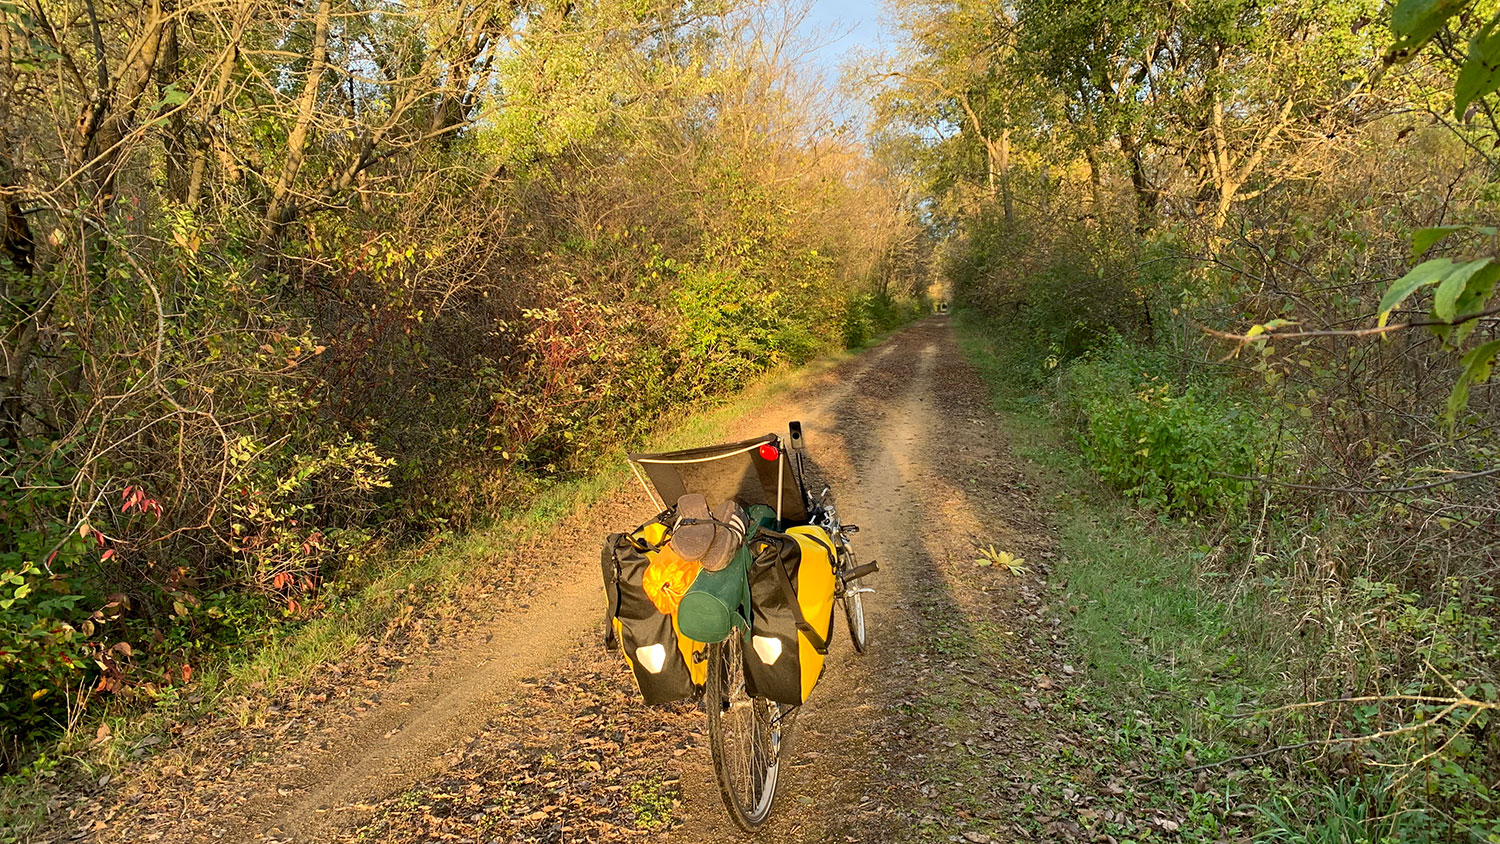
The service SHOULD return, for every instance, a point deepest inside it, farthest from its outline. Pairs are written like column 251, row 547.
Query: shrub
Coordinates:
column 44, row 655
column 868, row 315
column 1177, row 448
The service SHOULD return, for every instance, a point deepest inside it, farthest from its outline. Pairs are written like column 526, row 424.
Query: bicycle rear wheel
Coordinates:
column 744, row 734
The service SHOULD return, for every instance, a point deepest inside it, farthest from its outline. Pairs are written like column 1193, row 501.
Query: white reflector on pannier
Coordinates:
column 651, row 657
column 768, row 648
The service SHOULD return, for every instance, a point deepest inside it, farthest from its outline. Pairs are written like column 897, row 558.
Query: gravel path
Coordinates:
column 511, row 723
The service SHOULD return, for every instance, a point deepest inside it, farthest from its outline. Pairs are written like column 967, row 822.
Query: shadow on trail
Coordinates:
column 932, row 486
column 891, row 437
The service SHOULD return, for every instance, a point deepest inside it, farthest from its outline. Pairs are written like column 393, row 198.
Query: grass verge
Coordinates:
column 1163, row 652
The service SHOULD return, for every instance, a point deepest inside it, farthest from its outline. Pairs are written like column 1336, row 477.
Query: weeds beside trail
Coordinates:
column 1197, row 649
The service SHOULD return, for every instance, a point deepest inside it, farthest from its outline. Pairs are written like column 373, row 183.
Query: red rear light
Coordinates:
column 769, row 452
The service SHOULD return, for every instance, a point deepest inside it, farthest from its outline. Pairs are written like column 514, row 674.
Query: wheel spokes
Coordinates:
column 749, row 740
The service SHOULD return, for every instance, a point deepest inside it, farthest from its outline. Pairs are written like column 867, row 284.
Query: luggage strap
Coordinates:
column 611, row 569
column 642, row 545
column 819, row 643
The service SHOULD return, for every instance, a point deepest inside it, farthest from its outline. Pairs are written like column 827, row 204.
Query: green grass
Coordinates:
column 1162, row 650
column 1135, row 593
column 652, row 802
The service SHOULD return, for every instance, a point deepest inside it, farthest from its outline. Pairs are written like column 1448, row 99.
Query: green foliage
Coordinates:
column 1174, row 447
column 1411, row 635
column 1424, row 239
column 1480, row 75
column 1358, row 812
column 1168, row 661
column 653, row 804
column 1413, row 22
column 1195, row 649
column 1061, row 301
column 46, row 652
column 1154, row 185
column 1473, row 369
column 868, row 316
column 280, row 513
column 1463, row 291
column 43, row 658
column 734, row 323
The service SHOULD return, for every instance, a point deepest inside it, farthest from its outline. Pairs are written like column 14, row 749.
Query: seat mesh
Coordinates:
column 732, row 470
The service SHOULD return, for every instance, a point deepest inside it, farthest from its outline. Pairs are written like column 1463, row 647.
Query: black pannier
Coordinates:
column 661, row 659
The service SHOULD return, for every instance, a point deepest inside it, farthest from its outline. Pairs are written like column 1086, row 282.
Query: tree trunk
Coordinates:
column 1007, row 201
column 207, row 140
column 16, row 241
column 1232, row 178
column 31, row 307
column 282, row 209
column 1145, row 197
column 1096, row 183
column 178, row 159
column 106, row 146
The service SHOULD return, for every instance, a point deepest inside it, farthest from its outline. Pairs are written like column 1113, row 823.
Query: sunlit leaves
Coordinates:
column 1480, row 74
column 1422, row 275
column 1424, row 239
column 1415, row 21
column 1463, row 289
column 1014, row 565
column 1457, row 281
column 1258, row 330
column 1475, row 368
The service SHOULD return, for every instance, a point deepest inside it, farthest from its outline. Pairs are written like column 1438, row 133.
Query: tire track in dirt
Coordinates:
column 526, row 730
column 834, row 786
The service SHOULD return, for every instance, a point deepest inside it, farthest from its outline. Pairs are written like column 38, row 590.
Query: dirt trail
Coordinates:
column 525, row 729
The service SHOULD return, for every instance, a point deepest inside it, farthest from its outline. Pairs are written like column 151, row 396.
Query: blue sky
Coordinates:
column 845, row 24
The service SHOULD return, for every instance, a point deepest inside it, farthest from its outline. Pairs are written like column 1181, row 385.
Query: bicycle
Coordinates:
column 748, row 732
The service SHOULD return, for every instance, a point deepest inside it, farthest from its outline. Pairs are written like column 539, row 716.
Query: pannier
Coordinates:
column 791, row 600
column 667, row 665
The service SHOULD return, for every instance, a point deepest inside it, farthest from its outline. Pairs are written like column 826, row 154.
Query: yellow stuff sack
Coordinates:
column 668, row 577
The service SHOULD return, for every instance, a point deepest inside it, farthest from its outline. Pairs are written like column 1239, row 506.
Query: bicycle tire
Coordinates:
column 851, row 598
column 744, row 736
column 854, row 604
